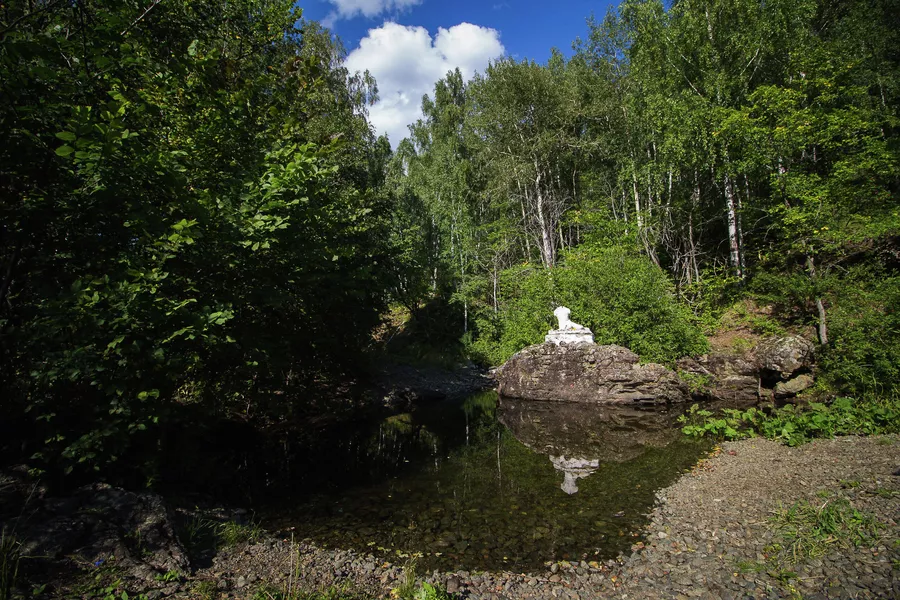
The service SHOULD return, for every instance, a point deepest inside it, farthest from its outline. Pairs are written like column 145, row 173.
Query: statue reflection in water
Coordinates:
column 578, row 438
column 573, row 470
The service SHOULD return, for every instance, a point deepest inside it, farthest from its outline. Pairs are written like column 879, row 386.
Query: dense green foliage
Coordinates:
column 743, row 148
column 797, row 425
column 622, row 297
column 187, row 196
column 190, row 190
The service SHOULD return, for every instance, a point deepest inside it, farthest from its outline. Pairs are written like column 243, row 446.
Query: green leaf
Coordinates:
column 64, row 150
column 66, row 136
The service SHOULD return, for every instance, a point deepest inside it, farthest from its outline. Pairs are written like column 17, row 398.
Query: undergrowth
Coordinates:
column 797, row 425
column 10, row 555
column 810, row 531
column 425, row 591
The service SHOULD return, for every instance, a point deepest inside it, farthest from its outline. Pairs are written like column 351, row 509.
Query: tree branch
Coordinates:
column 140, row 18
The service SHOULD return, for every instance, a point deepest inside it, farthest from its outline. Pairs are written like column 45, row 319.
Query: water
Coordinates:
column 485, row 484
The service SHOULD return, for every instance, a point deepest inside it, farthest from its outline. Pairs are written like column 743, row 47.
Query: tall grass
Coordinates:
column 10, row 555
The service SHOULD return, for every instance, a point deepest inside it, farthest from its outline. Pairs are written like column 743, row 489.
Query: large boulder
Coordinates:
column 779, row 358
column 590, row 374
column 99, row 524
column 722, row 376
column 777, row 367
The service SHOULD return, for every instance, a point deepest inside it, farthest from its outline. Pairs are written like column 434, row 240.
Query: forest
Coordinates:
column 198, row 222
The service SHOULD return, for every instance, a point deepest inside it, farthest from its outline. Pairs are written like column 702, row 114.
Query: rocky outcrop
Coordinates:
column 590, row 374
column 99, row 524
column 777, row 367
column 779, row 358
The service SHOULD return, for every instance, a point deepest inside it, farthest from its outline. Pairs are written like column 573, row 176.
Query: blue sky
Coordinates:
column 409, row 44
column 527, row 28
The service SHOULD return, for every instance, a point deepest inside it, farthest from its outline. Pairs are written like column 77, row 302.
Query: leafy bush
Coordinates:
column 863, row 318
column 795, row 426
column 864, row 354
column 176, row 232
column 623, row 297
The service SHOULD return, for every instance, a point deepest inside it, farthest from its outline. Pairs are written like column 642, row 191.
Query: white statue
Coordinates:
column 562, row 314
column 568, row 332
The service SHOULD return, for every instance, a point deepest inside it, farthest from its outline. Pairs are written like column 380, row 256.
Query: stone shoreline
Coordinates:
column 707, row 538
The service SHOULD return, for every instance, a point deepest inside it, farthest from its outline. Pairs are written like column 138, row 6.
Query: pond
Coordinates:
column 486, row 483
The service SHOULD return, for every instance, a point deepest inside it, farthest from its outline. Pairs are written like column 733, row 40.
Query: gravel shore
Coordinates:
column 710, row 536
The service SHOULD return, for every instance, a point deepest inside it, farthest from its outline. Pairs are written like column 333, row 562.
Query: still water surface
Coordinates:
column 487, row 483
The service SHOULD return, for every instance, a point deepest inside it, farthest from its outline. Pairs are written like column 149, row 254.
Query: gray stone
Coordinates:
column 588, row 374
column 784, row 356
column 111, row 523
column 792, row 387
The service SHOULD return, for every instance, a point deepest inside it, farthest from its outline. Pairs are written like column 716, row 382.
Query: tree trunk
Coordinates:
column 547, row 250
column 734, row 243
column 820, row 306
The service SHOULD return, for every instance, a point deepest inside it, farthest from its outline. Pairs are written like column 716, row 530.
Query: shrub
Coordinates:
column 864, row 355
column 795, row 426
column 623, row 297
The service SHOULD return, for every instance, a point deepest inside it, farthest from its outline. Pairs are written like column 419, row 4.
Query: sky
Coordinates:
column 408, row 45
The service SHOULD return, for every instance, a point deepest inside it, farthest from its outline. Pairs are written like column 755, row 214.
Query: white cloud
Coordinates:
column 346, row 9
column 407, row 62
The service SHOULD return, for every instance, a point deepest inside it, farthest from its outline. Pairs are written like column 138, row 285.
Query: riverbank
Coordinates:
column 712, row 535
column 756, row 519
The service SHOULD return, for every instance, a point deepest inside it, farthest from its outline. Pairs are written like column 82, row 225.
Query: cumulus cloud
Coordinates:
column 346, row 9
column 407, row 62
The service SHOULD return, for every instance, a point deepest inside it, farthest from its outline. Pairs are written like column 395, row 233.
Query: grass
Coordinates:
column 333, row 593
column 10, row 556
column 231, row 533
column 200, row 534
column 205, row 590
column 811, row 531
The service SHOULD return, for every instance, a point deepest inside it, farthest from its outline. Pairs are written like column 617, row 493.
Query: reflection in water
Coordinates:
column 578, row 437
column 476, row 484
column 573, row 469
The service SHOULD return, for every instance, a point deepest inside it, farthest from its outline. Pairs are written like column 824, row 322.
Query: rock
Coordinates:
column 452, row 585
column 589, row 374
column 135, row 529
column 744, row 378
column 787, row 389
column 722, row 376
column 781, row 357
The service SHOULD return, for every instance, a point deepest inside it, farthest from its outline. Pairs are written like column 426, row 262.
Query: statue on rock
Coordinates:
column 569, row 332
